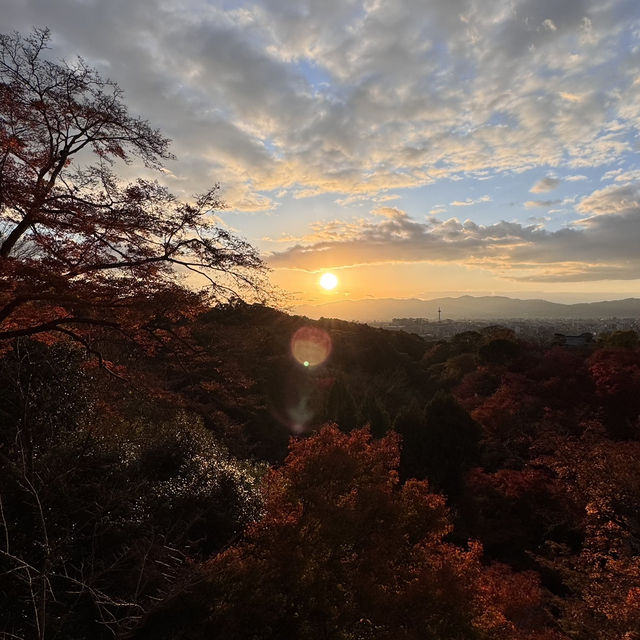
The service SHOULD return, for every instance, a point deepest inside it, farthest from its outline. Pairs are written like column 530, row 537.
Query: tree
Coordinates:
column 616, row 375
column 341, row 406
column 345, row 551
column 440, row 443
column 374, row 413
column 101, row 514
column 78, row 248
column 499, row 351
column 602, row 577
column 515, row 512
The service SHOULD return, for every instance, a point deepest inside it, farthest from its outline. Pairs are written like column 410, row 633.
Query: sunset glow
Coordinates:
column 328, row 281
column 469, row 148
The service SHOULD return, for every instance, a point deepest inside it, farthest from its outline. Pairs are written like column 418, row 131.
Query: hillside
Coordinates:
column 231, row 470
column 468, row 307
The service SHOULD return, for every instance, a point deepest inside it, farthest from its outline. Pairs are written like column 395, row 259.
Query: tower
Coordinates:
column 439, row 312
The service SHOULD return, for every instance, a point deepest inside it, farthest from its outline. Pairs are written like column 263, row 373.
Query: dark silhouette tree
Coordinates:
column 514, row 512
column 374, row 414
column 451, row 441
column 78, row 248
column 341, row 406
column 499, row 351
column 620, row 339
column 441, row 444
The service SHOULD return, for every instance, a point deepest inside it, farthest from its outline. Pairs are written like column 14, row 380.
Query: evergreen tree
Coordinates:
column 341, row 407
column 440, row 445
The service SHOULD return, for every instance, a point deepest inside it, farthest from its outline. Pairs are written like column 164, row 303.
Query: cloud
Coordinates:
column 621, row 175
column 612, row 174
column 529, row 204
column 545, row 185
column 579, row 273
column 571, row 97
column 361, row 199
column 469, row 202
column 611, row 200
column 389, row 212
column 351, row 97
column 599, row 246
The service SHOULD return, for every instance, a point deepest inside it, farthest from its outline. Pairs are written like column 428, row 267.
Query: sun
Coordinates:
column 328, row 281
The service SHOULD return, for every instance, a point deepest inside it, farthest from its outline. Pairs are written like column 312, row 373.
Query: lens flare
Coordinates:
column 310, row 346
column 328, row 281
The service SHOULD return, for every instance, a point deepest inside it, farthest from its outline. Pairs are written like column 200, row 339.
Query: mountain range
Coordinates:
column 467, row 307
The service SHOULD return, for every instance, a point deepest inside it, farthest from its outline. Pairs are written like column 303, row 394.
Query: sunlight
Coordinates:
column 328, row 281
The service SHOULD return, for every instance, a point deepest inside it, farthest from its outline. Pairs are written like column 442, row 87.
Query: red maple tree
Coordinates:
column 79, row 248
column 344, row 550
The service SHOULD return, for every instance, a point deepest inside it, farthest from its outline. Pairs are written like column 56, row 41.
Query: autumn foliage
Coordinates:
column 344, row 550
column 526, row 528
column 81, row 249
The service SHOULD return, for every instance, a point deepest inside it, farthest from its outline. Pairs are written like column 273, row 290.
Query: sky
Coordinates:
column 414, row 148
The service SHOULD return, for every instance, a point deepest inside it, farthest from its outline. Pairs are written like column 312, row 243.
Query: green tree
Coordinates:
column 440, row 445
column 374, row 414
column 341, row 407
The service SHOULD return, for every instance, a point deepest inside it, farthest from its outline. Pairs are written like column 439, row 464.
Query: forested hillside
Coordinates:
column 475, row 488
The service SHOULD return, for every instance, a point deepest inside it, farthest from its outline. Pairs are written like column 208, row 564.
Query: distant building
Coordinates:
column 582, row 340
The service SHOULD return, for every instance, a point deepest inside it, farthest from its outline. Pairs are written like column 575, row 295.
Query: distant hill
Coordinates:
column 467, row 307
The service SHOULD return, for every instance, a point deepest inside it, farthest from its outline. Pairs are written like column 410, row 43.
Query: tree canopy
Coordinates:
column 80, row 248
